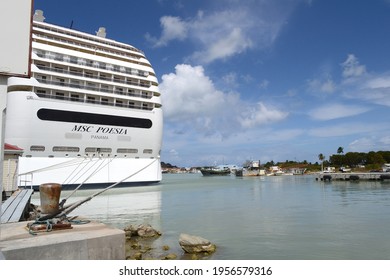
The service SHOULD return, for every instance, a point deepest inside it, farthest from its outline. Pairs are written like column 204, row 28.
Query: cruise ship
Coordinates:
column 90, row 114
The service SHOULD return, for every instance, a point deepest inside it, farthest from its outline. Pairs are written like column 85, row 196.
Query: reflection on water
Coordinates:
column 279, row 217
column 117, row 207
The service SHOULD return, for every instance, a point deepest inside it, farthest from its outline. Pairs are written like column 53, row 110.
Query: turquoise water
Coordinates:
column 283, row 217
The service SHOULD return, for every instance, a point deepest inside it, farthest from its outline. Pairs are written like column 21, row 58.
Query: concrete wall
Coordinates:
column 92, row 241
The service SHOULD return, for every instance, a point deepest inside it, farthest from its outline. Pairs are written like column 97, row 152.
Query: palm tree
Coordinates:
column 340, row 150
column 321, row 157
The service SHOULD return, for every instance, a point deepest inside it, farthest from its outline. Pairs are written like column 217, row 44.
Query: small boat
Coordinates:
column 252, row 169
column 215, row 171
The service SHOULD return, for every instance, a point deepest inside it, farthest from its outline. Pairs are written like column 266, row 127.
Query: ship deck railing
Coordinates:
column 81, row 100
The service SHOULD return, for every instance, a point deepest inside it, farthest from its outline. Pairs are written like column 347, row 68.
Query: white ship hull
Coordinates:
column 93, row 170
column 88, row 173
column 90, row 114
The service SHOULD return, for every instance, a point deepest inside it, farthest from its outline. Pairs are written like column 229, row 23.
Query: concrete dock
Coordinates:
column 353, row 176
column 90, row 241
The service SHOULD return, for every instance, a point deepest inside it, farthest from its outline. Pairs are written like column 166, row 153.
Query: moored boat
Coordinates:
column 215, row 171
column 250, row 170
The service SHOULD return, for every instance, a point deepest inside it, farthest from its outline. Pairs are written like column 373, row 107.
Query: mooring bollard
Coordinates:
column 50, row 196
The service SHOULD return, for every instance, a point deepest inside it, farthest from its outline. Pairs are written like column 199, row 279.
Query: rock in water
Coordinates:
column 147, row 231
column 142, row 231
column 194, row 244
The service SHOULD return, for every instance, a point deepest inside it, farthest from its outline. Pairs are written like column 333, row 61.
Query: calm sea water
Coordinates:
column 284, row 217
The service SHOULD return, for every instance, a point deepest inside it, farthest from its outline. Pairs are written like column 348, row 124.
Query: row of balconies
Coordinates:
column 98, row 87
column 93, row 75
column 90, row 63
column 93, row 47
column 93, row 99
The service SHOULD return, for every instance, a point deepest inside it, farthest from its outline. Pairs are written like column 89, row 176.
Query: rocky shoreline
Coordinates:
column 141, row 245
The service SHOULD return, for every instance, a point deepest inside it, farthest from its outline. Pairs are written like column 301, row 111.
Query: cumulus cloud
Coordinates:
column 191, row 100
column 189, row 93
column 336, row 111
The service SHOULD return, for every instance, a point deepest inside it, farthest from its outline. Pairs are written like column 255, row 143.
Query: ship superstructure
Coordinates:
column 90, row 113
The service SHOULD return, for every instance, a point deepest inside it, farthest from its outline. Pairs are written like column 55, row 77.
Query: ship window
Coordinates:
column 41, row 92
column 73, row 59
column 75, row 71
column 104, row 88
column 60, row 81
column 41, row 66
column 66, row 149
column 119, row 90
column 148, row 151
column 90, row 150
column 74, row 97
column 91, row 86
column 90, row 99
column 119, row 103
column 104, row 101
column 58, row 69
column 89, row 74
column 127, row 151
column 60, row 95
column 75, row 83
column 36, row 148
column 97, row 150
column 59, row 57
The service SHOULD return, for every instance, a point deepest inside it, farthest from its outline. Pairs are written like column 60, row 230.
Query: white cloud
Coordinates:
column 352, row 67
column 173, row 28
column 264, row 84
column 367, row 144
column 260, row 115
column 231, row 29
column 336, row 111
column 192, row 102
column 370, row 88
column 189, row 93
column 323, row 86
column 234, row 42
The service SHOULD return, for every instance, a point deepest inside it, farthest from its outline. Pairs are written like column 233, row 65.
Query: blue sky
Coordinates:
column 250, row 79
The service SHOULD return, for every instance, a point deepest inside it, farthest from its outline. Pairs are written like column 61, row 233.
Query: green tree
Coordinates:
column 321, row 157
column 340, row 150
